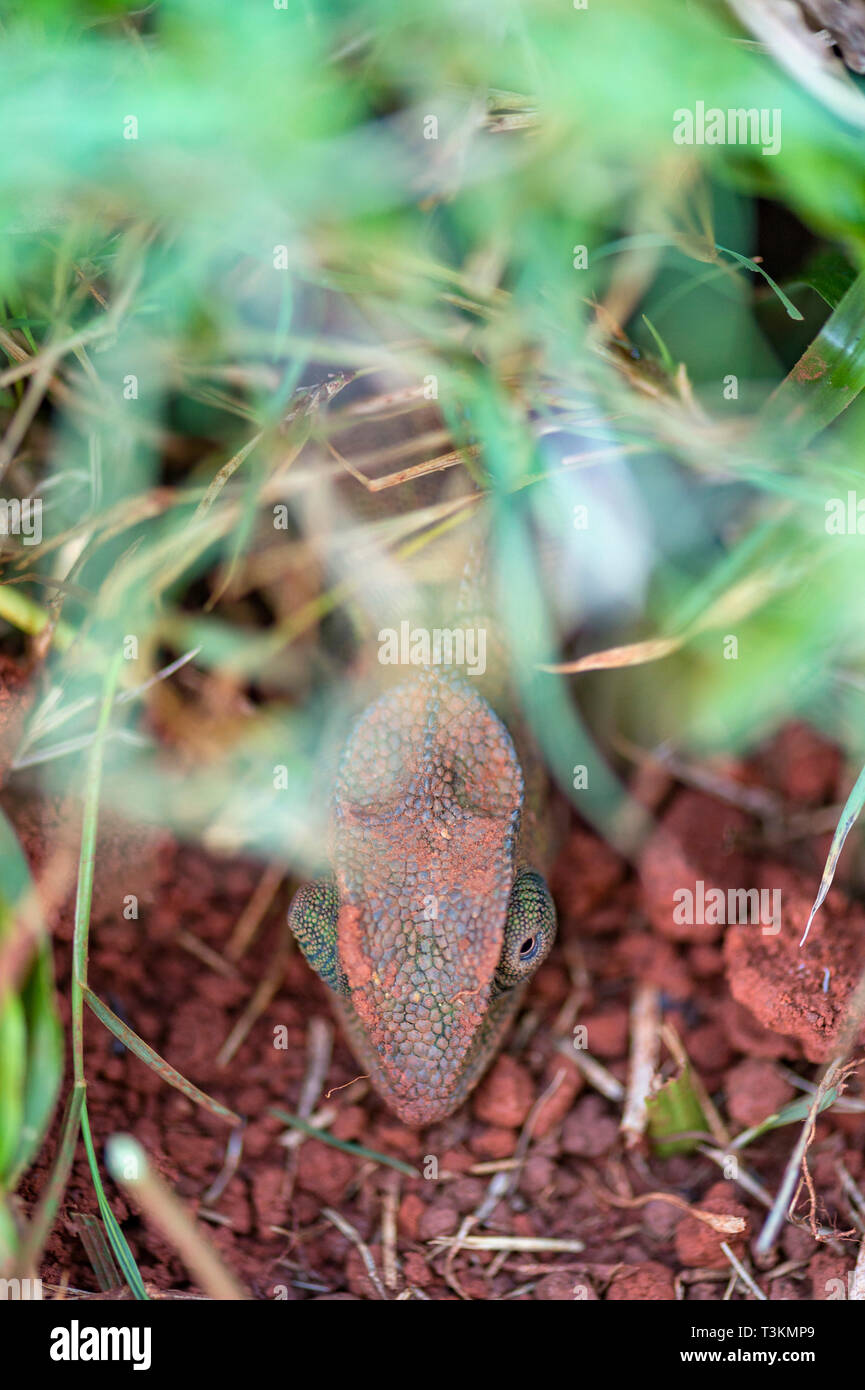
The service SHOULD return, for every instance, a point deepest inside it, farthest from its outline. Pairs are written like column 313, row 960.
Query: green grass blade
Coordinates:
column 92, row 1237
column 83, row 902
column 345, row 1145
column 666, row 355
column 153, row 1060
column 758, row 270
column 24, row 613
column 828, row 376
column 117, row 1239
column 852, row 807
column 789, row 1115
column 828, row 274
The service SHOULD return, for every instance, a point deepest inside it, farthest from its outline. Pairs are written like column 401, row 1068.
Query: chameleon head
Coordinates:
column 429, row 926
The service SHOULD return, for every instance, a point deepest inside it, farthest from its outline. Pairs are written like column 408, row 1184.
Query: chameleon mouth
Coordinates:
column 420, row 1113
column 423, row 1083
column 419, row 1107
column 419, row 1064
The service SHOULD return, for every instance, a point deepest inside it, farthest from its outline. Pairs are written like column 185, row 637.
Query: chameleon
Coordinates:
column 434, row 917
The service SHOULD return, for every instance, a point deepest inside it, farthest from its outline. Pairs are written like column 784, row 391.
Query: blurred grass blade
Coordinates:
column 828, row 376
column 122, row 1253
column 37, row 1232
column 758, row 270
column 345, row 1145
column 99, row 1254
column 128, row 1165
column 79, row 966
column 633, row 654
column 852, row 807
column 828, row 274
column 153, row 1060
column 25, row 614
column 86, row 865
column 737, row 603
column 666, row 355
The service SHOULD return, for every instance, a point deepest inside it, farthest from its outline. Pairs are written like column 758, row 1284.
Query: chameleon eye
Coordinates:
column 530, row 930
column 313, row 918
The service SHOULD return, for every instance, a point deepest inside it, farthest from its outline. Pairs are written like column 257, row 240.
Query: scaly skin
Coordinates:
column 433, row 922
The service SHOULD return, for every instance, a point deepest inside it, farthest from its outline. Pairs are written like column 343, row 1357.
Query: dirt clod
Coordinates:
column 755, row 1089
column 802, row 991
column 505, row 1096
column 697, row 1244
column 589, row 1130
column 649, row 1282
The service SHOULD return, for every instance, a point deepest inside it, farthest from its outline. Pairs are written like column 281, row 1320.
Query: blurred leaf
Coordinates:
column 31, row 1038
column 13, row 1065
column 8, row 1236
column 15, row 877
column 675, row 1109
column 44, row 1061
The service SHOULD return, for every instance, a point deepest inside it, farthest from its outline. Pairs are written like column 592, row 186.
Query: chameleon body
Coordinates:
column 434, row 920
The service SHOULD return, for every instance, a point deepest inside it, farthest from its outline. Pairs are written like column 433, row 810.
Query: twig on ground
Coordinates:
column 645, row 1053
